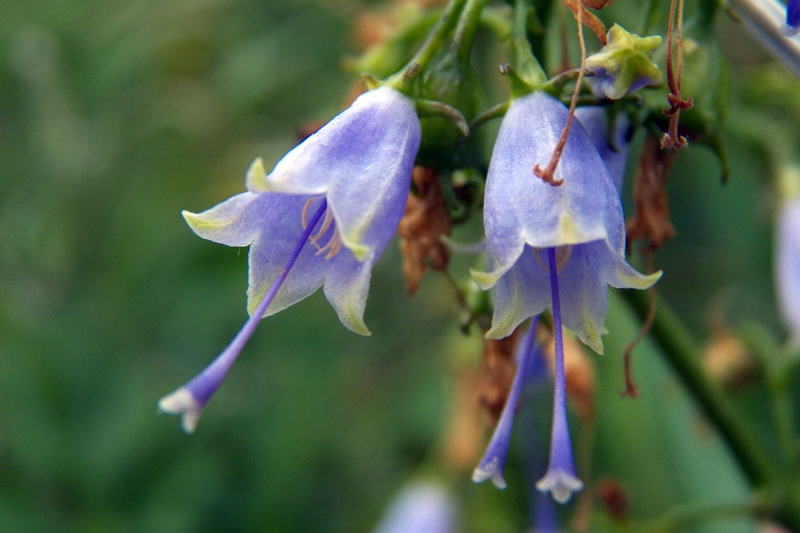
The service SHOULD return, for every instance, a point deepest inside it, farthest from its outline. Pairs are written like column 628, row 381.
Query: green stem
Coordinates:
column 401, row 81
column 465, row 31
column 683, row 354
column 684, row 517
column 778, row 376
column 524, row 60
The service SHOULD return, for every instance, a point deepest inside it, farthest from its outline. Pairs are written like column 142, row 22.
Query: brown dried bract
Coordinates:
column 425, row 221
column 589, row 19
column 498, row 369
column 651, row 217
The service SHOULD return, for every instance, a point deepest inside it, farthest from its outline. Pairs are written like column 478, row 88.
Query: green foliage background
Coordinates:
column 116, row 115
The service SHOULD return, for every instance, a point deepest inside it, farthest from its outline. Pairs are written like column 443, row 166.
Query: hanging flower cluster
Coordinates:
column 555, row 239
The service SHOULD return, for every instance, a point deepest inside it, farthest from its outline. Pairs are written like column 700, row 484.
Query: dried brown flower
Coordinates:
column 651, row 217
column 425, row 221
column 498, row 369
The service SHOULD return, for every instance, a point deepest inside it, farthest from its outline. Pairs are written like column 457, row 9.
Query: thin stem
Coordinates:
column 524, row 60
column 684, row 517
column 672, row 139
column 465, row 31
column 548, row 173
column 778, row 371
column 631, row 390
column 683, row 354
column 437, row 36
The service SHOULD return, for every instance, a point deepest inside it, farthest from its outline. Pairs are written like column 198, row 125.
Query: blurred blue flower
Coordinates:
column 787, row 266
column 422, row 507
column 354, row 176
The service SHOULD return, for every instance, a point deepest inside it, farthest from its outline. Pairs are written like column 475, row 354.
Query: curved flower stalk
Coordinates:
column 353, row 175
column 613, row 148
column 494, row 460
column 524, row 215
column 787, row 263
column 423, row 506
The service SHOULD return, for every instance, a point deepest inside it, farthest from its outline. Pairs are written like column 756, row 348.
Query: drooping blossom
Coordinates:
column 321, row 218
column 555, row 247
column 424, row 506
column 524, row 215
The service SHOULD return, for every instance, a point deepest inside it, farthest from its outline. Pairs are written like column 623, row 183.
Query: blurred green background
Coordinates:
column 116, row 115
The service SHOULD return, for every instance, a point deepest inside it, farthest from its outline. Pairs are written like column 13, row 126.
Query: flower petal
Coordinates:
column 521, row 208
column 229, row 222
column 361, row 160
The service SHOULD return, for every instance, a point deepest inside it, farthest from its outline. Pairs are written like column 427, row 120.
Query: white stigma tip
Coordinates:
column 182, row 402
column 490, row 471
column 560, row 484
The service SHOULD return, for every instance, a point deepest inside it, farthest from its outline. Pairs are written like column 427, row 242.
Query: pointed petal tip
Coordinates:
column 485, row 280
column 352, row 317
column 256, row 176
column 202, row 224
column 182, row 402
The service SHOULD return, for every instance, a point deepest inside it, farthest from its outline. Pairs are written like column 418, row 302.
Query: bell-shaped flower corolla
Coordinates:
column 612, row 147
column 524, row 215
column 494, row 460
column 421, row 507
column 321, row 218
column 787, row 266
